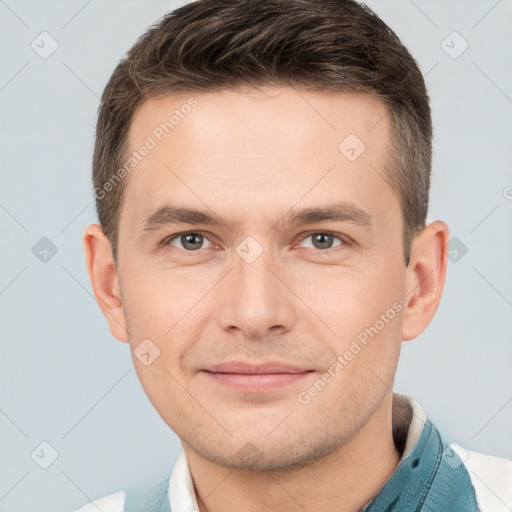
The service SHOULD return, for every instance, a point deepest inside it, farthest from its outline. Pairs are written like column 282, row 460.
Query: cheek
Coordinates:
column 171, row 308
column 156, row 298
column 348, row 300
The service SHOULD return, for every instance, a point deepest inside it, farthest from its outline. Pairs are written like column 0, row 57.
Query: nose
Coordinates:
column 254, row 301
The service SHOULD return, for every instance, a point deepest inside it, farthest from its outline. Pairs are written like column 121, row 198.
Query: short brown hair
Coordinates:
column 327, row 45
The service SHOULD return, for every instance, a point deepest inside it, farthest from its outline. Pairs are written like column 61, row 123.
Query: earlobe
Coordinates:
column 425, row 278
column 104, row 279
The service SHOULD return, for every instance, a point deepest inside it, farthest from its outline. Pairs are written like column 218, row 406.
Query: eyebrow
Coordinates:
column 337, row 212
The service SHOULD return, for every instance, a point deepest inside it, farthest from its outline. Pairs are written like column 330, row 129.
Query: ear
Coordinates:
column 425, row 277
column 104, row 280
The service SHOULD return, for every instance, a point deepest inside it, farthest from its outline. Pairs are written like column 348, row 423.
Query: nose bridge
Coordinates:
column 253, row 299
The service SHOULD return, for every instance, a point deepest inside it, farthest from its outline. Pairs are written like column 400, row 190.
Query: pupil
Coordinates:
column 323, row 240
column 188, row 241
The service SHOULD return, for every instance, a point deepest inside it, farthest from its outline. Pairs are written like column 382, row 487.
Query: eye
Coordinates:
column 322, row 240
column 190, row 241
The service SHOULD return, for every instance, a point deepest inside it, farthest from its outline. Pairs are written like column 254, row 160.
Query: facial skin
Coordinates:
column 252, row 158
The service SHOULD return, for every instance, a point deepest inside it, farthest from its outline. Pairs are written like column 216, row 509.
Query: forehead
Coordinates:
column 251, row 147
column 292, row 114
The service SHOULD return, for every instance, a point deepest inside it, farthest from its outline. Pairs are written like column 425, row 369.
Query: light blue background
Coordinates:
column 65, row 380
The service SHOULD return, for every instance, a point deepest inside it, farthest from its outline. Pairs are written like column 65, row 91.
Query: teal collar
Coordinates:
column 431, row 477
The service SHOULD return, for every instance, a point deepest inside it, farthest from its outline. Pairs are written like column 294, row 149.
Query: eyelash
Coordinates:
column 342, row 238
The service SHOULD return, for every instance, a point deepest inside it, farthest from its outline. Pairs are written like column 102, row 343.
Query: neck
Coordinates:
column 348, row 477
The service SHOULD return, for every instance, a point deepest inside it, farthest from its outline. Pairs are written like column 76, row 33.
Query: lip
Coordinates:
column 255, row 377
column 255, row 369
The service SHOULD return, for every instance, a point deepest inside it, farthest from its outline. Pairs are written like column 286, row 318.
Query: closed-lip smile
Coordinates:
column 255, row 377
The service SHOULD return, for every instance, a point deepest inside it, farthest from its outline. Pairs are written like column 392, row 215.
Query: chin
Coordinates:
column 263, row 455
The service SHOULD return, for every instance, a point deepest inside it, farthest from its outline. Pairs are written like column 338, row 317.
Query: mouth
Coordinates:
column 255, row 378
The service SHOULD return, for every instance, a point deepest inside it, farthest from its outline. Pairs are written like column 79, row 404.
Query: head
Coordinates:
column 262, row 176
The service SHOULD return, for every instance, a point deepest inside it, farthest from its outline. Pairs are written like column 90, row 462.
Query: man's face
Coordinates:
column 248, row 313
